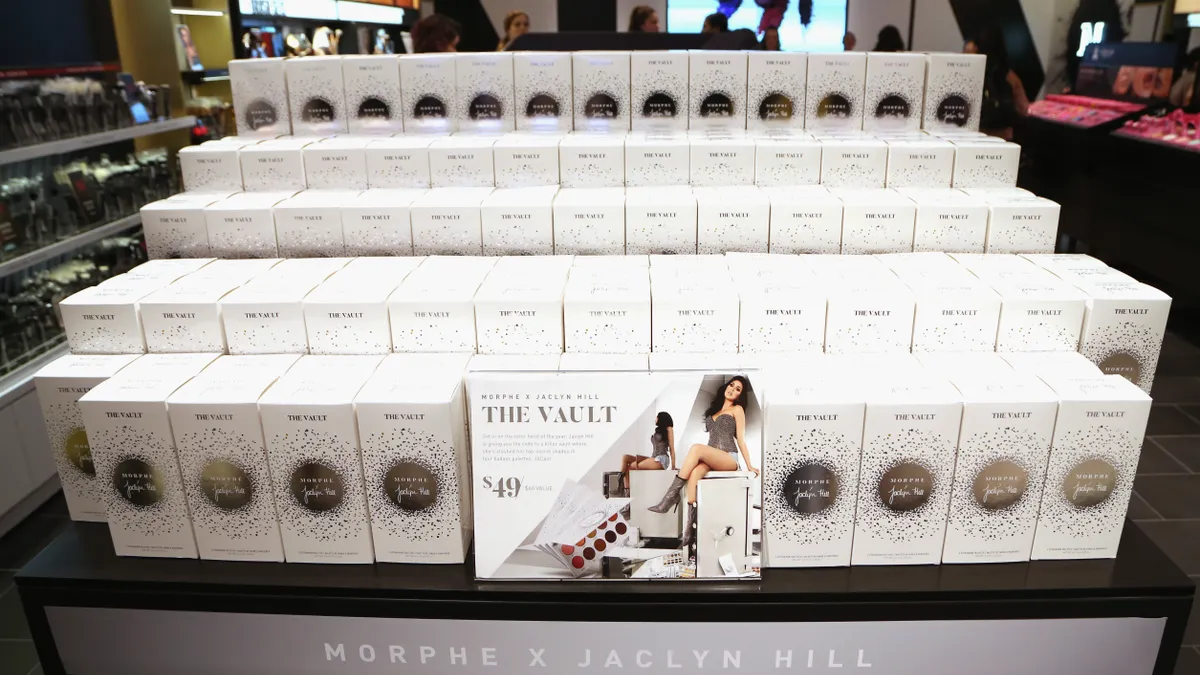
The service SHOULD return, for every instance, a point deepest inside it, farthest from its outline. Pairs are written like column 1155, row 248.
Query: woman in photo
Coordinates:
column 662, row 444
column 725, row 422
column 516, row 24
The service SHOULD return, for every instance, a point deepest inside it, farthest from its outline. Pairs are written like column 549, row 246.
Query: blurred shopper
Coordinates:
column 516, row 24
column 643, row 19
column 1181, row 91
column 436, row 33
column 849, row 41
column 715, row 23
column 770, row 40
column 1004, row 98
column 889, row 40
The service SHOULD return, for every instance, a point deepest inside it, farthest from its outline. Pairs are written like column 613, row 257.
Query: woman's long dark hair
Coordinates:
column 639, row 16
column 719, row 400
column 662, row 422
column 435, row 33
column 890, row 40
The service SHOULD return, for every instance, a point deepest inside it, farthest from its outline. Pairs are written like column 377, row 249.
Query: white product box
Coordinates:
column 722, row 161
column 484, row 98
column 526, row 160
column 336, row 163
column 776, row 84
column 446, row 221
column 953, row 92
column 401, row 162
column 1038, row 314
column 836, row 84
column 433, row 310
column 909, row 440
column 977, row 365
column 657, row 160
column 165, row 271
column 212, row 166
column 514, row 363
column 996, row 266
column 986, row 165
column 603, row 363
column 134, row 453
column 1052, row 364
column 666, row 361
column 786, row 161
column 372, row 84
column 609, row 316
column 303, row 269
column 274, row 164
column 1064, row 261
column 462, row 161
column 865, row 320
column 223, row 459
column 317, row 95
column 693, row 319
column 412, row 422
column 266, row 316
column 104, row 319
column 260, row 97
column 589, row 221
column 659, row 89
column 619, row 261
column 1084, row 276
column 315, row 459
column 660, row 220
column 877, row 221
column 895, row 91
column 601, row 92
column 309, row 225
column 949, row 221
column 519, row 221
column 175, row 228
column 542, row 84
column 920, row 164
column 592, row 160
column 1123, row 329
column 243, row 226
column 732, row 219
column 427, row 90
column 814, row 434
column 717, row 89
column 955, row 316
column 778, row 317
column 1022, row 226
column 185, row 317
column 60, row 385
column 348, row 314
column 807, row 220
column 1003, row 449
column 377, row 222
column 854, row 164
column 1093, row 458
column 518, row 314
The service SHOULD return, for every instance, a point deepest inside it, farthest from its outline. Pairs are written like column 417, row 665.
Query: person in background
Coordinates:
column 849, row 41
column 1004, row 98
column 889, row 40
column 516, row 24
column 643, row 19
column 436, row 33
column 715, row 23
column 770, row 40
column 1181, row 91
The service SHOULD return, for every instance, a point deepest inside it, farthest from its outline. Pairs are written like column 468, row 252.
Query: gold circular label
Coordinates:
column 905, row 486
column 1124, row 365
column 411, row 486
column 226, row 485
column 317, row 487
column 138, row 482
column 1000, row 485
column 1089, row 483
column 79, row 452
column 810, row 488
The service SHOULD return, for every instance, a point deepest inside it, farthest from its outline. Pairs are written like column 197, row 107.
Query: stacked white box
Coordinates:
column 836, row 84
column 315, row 459
column 336, row 163
column 60, row 385
column 659, row 89
column 348, row 313
column 920, row 164
column 186, row 316
column 484, row 96
column 954, row 315
column 876, row 221
column 732, row 219
column 589, row 221
column 953, row 92
column 223, row 459
column 519, row 307
column 175, row 227
column 986, row 165
column 275, row 164
column 260, row 97
column 542, row 87
column 309, row 225
column 212, row 166
column 950, row 221
column 427, row 92
column 316, row 95
column 134, row 453
column 722, row 160
column 717, row 89
column 372, row 85
column 433, row 310
column 518, row 221
column 895, row 91
column 592, row 160
column 104, row 319
column 1093, row 458
column 805, row 220
column 660, row 220
column 1038, row 314
column 462, row 161
column 607, row 311
column 446, row 221
column 695, row 310
column 243, row 226
column 787, row 161
column 601, row 91
column 526, row 160
column 377, row 222
column 657, row 159
column 603, row 363
column 1123, row 329
column 266, row 316
column 1052, row 364
column 776, row 84
column 854, row 163
column 781, row 312
column 401, row 162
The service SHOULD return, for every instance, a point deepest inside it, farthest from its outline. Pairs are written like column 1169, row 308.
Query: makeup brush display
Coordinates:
column 37, row 111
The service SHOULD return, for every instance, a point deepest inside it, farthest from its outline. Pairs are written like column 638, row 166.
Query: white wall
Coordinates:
column 543, row 14
column 864, row 18
column 935, row 28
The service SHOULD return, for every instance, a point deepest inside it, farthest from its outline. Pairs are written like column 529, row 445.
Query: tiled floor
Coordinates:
column 1166, row 505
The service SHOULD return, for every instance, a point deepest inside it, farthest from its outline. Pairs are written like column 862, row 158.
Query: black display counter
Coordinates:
column 92, row 612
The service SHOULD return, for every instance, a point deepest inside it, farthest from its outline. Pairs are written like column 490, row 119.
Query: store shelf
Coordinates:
column 20, row 382
column 67, row 245
column 92, row 140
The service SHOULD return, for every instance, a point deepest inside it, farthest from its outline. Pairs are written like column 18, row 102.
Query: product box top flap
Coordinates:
column 800, row 196
column 461, row 197
column 1065, row 364
column 384, row 265
column 965, row 364
column 401, row 142
column 1012, row 193
column 528, row 140
column 171, row 268
column 460, row 141
column 262, row 290
column 786, row 390
column 234, row 379
column 235, row 270
column 603, row 362
column 340, row 143
column 278, row 144
column 415, row 378
column 607, row 196
column 86, row 365
column 322, row 380
column 1121, row 290
column 994, row 260
column 629, row 287
column 657, row 141
column 913, row 390
column 120, row 294
column 318, row 268
column 513, row 363
column 200, row 196
column 521, row 197
column 1103, row 388
column 1013, row 387
column 197, row 202
column 386, row 197
column 355, row 290
column 609, row 260
column 308, row 199
column 734, row 196
column 1036, row 287
column 1067, row 260
column 152, row 378
column 674, row 195
column 251, row 200
column 189, row 291
column 667, row 361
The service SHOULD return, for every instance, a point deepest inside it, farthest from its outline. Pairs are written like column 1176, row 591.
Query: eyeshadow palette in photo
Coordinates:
column 582, row 530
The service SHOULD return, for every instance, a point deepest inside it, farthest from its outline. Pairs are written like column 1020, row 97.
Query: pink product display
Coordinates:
column 1177, row 129
column 1081, row 111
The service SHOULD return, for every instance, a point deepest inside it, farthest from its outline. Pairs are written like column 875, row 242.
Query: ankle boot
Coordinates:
column 689, row 529
column 671, row 499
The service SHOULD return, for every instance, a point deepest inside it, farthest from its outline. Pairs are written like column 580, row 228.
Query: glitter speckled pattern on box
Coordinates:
column 1022, row 449
column 894, row 99
column 543, row 91
column 776, row 94
column 298, row 448
column 833, row 102
column 722, row 85
column 602, row 97
column 484, row 98
column 254, row 513
column 836, row 454
column 188, row 240
column 427, row 90
column 659, row 96
column 925, row 449
column 72, row 453
column 1114, row 447
column 168, row 516
column 373, row 102
column 384, row 451
column 1124, row 342
column 316, row 96
column 260, row 98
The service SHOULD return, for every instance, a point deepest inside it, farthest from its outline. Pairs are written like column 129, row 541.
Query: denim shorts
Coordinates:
column 665, row 460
